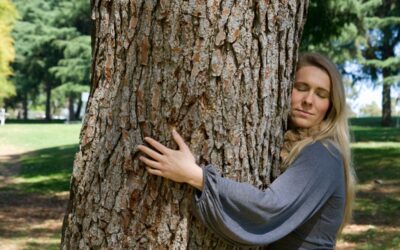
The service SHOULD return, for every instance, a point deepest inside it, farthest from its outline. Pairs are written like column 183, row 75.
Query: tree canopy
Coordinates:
column 8, row 15
column 52, row 48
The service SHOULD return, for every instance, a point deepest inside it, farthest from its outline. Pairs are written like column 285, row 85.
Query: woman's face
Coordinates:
column 310, row 97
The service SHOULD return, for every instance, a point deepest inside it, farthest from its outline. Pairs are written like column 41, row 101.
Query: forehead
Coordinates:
column 314, row 76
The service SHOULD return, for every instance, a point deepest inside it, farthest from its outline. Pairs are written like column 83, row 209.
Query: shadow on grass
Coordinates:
column 371, row 121
column 45, row 171
column 375, row 238
column 41, row 245
column 377, row 208
column 376, row 134
column 370, row 129
column 377, row 163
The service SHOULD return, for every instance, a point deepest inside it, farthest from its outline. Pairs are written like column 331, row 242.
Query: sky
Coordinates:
column 368, row 95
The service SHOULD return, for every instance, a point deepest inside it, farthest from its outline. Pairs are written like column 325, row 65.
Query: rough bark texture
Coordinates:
column 220, row 72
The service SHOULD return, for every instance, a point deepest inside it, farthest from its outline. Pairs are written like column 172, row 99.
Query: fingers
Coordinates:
column 153, row 154
column 154, row 171
column 161, row 148
column 150, row 163
column 179, row 140
column 152, row 166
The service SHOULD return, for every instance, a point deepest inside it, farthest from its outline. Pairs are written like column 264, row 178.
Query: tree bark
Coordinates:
column 48, row 101
column 78, row 109
column 386, row 95
column 386, row 106
column 220, row 72
column 71, row 113
column 25, row 106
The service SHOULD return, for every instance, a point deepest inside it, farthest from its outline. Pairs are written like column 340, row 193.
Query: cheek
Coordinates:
column 296, row 97
column 323, row 108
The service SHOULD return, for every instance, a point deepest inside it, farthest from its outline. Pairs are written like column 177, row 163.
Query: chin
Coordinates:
column 300, row 123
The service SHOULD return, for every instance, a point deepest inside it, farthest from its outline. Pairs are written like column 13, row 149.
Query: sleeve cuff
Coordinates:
column 208, row 173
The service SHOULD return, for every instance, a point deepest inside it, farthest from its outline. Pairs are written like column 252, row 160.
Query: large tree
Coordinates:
column 219, row 71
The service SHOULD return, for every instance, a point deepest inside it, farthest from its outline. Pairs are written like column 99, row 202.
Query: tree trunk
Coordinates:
column 48, row 101
column 220, row 72
column 25, row 106
column 71, row 113
column 386, row 103
column 78, row 109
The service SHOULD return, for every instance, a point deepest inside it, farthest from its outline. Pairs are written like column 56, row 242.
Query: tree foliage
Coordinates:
column 8, row 15
column 52, row 45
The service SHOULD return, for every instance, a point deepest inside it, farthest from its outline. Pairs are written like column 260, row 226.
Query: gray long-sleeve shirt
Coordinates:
column 302, row 209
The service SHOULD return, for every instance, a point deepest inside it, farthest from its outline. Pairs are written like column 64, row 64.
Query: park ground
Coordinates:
column 36, row 163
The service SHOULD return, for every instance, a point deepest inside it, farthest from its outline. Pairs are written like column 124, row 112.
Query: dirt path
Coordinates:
column 27, row 220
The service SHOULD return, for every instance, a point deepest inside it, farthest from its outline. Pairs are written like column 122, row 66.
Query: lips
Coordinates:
column 303, row 113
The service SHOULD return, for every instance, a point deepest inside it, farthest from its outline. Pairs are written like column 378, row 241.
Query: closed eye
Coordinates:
column 323, row 94
column 301, row 86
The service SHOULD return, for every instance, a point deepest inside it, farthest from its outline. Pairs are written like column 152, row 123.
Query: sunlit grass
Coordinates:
column 30, row 137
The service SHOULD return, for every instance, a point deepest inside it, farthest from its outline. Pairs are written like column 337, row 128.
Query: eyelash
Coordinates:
column 303, row 88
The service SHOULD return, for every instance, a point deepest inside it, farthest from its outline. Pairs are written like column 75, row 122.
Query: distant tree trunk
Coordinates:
column 78, row 109
column 71, row 113
column 25, row 106
column 48, row 101
column 219, row 72
column 386, row 106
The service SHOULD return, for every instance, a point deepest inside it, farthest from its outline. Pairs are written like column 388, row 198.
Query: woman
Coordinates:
column 307, row 205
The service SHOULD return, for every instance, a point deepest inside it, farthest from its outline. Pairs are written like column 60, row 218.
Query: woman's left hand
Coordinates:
column 176, row 165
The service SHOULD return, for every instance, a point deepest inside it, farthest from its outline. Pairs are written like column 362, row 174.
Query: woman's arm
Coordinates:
column 176, row 165
column 239, row 212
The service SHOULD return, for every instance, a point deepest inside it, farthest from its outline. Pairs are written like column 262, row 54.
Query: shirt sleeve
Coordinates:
column 242, row 214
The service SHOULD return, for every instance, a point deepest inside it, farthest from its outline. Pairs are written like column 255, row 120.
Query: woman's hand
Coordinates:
column 176, row 165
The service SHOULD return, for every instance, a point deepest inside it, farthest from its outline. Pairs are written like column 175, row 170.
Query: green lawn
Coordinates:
column 33, row 199
column 376, row 158
column 31, row 137
column 48, row 152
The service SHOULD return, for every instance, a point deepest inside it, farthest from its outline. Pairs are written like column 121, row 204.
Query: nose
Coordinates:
column 308, row 98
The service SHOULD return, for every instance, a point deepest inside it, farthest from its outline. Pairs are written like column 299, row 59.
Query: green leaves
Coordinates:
column 52, row 44
column 8, row 15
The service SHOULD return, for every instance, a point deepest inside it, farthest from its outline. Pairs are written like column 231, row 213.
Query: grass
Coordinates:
column 46, row 170
column 48, row 158
column 31, row 137
column 49, row 149
column 33, row 200
column 376, row 152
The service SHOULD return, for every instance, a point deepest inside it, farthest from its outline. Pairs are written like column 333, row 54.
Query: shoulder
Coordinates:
column 322, row 149
column 323, row 153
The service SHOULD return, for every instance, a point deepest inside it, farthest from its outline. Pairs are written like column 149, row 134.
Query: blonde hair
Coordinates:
column 334, row 127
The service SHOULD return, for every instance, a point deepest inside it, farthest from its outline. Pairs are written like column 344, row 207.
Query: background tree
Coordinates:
column 8, row 15
column 220, row 72
column 381, row 36
column 73, row 72
column 331, row 29
column 45, row 39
